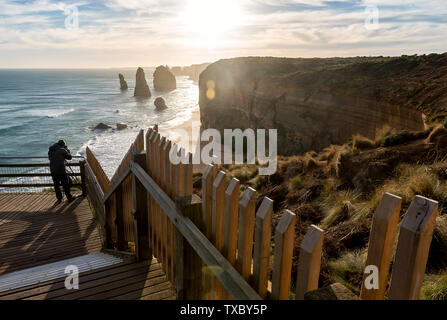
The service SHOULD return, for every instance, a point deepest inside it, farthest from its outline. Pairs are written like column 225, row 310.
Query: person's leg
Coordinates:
column 57, row 187
column 66, row 186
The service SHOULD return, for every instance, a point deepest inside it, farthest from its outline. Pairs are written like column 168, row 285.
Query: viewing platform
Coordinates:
column 39, row 238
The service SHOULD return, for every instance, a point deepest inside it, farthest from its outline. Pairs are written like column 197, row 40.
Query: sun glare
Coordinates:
column 210, row 20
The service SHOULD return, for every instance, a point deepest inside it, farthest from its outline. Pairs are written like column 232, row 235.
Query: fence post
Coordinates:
column 207, row 207
column 282, row 265
column 415, row 237
column 82, row 170
column 189, row 266
column 309, row 262
column 140, row 212
column 246, row 231
column 261, row 255
column 381, row 242
column 218, row 225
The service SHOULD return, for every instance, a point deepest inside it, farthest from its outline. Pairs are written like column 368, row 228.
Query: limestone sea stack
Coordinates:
column 164, row 80
column 141, row 87
column 160, row 104
column 123, row 83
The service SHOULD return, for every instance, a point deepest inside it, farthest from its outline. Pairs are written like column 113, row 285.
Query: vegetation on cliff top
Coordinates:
column 340, row 187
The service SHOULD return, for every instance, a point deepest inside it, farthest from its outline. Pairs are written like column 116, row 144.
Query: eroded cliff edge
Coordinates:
column 317, row 102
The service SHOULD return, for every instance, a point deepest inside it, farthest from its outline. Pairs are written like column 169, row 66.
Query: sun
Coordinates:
column 208, row 21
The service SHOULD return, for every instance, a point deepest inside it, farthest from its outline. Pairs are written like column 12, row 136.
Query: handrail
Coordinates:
column 35, row 165
column 20, row 157
column 94, row 177
column 233, row 282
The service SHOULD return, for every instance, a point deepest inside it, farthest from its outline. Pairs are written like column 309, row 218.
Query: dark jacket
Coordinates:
column 57, row 155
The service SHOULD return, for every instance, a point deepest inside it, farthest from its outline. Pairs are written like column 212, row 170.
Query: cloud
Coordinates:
column 158, row 31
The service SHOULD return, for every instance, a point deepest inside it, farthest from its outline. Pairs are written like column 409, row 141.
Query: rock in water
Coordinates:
column 102, row 126
column 141, row 87
column 121, row 126
column 160, row 104
column 123, row 83
column 164, row 80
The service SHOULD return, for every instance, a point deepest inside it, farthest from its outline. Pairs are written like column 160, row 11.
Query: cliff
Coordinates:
column 317, row 102
column 193, row 71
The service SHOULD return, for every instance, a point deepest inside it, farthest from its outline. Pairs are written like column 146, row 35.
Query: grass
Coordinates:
column 362, row 143
column 348, row 269
column 338, row 207
column 411, row 180
column 295, row 184
column 434, row 287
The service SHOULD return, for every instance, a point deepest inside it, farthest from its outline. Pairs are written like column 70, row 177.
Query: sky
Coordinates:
column 129, row 33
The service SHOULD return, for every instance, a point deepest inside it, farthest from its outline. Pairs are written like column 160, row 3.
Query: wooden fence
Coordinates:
column 219, row 246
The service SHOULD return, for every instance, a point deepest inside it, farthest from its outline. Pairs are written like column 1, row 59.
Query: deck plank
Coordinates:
column 34, row 231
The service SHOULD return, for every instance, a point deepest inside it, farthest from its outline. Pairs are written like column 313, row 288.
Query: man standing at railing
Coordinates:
column 57, row 154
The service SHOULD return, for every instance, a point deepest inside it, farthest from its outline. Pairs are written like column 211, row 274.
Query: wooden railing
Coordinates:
column 219, row 247
column 18, row 176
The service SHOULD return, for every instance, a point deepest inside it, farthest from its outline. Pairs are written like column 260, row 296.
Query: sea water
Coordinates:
column 39, row 107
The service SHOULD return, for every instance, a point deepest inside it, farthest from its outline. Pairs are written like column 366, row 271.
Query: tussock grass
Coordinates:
column 295, row 184
column 362, row 143
column 434, row 287
column 338, row 207
column 348, row 269
column 412, row 180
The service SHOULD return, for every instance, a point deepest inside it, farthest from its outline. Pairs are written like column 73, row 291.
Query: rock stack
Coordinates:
column 164, row 80
column 141, row 87
column 123, row 83
column 160, row 104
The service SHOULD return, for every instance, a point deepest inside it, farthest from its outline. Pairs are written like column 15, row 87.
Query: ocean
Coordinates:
column 39, row 107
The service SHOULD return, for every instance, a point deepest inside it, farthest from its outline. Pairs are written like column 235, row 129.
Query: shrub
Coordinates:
column 434, row 288
column 295, row 183
column 337, row 207
column 348, row 269
column 362, row 143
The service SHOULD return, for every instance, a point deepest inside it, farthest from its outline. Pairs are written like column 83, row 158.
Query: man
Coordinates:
column 57, row 154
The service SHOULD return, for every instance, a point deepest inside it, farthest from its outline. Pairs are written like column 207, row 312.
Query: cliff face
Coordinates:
column 317, row 102
column 192, row 71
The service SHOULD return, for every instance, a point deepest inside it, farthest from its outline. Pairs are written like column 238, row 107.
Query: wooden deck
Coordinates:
column 34, row 231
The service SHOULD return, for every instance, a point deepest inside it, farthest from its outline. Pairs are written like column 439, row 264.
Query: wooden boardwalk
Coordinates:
column 34, row 231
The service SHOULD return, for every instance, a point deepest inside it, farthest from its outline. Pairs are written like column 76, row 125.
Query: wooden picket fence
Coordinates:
column 219, row 246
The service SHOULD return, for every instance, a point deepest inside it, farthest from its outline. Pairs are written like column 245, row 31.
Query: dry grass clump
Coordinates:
column 295, row 184
column 243, row 172
column 348, row 269
column 337, row 207
column 436, row 133
column 411, row 180
column 434, row 287
column 360, row 142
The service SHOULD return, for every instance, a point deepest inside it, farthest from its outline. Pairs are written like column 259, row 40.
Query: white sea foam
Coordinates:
column 49, row 113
